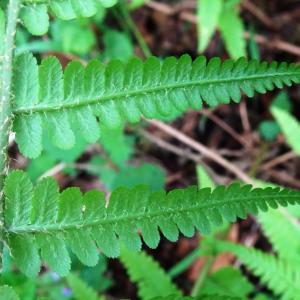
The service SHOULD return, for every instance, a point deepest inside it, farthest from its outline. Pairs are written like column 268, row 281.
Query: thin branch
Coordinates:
column 61, row 166
column 225, row 127
column 278, row 160
column 276, row 44
column 139, row 37
column 54, row 171
column 258, row 13
column 202, row 149
column 170, row 147
column 286, row 178
column 287, row 16
column 244, row 117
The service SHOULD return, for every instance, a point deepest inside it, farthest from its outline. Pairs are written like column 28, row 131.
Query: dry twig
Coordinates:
column 202, row 149
column 225, row 127
column 258, row 13
column 278, row 160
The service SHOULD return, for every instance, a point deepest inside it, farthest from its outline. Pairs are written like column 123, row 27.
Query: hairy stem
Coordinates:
column 5, row 97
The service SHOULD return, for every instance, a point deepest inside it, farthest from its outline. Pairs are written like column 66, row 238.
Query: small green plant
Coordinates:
column 284, row 280
column 288, row 124
column 153, row 281
column 224, row 15
column 39, row 224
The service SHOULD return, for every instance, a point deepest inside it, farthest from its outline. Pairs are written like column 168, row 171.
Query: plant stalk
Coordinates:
column 203, row 275
column 5, row 102
column 139, row 37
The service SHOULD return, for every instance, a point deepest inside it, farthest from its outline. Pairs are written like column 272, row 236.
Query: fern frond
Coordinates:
column 34, row 13
column 45, row 97
column 232, row 30
column 208, row 13
column 288, row 124
column 80, row 290
column 151, row 279
column 40, row 221
column 283, row 233
column 7, row 293
column 282, row 278
column 227, row 281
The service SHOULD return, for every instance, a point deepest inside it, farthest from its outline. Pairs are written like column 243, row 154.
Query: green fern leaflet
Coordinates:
column 151, row 279
column 278, row 275
column 64, row 103
column 34, row 13
column 42, row 222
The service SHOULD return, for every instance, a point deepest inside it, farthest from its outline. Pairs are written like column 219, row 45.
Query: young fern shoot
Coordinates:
column 39, row 223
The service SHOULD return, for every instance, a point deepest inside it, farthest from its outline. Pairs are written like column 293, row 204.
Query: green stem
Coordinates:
column 184, row 264
column 258, row 161
column 143, row 45
column 219, row 235
column 204, row 272
column 5, row 97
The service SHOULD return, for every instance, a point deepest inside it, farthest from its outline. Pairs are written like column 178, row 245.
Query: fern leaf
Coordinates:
column 35, row 16
column 63, row 103
column 204, row 179
column 282, row 278
column 283, row 233
column 118, row 146
column 40, row 221
column 7, row 293
column 208, row 15
column 108, row 3
column 232, row 30
column 80, row 290
column 227, row 281
column 289, row 125
column 151, row 279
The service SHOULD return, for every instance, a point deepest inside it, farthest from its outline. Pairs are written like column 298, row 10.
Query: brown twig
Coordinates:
column 258, row 13
column 225, row 127
column 161, row 7
column 170, row 147
column 278, row 160
column 284, row 176
column 274, row 43
column 232, row 153
column 202, row 149
column 244, row 117
column 287, row 17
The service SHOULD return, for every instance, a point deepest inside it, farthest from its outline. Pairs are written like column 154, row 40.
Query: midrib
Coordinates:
column 62, row 227
column 146, row 90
